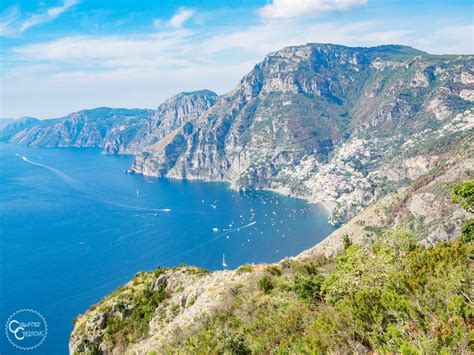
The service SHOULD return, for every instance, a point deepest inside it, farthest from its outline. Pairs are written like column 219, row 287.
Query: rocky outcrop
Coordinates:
column 192, row 296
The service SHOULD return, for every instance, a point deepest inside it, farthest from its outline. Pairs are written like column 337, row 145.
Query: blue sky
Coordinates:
column 60, row 56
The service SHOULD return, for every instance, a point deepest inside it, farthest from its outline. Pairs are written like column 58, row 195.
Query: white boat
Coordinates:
column 215, row 229
column 223, row 261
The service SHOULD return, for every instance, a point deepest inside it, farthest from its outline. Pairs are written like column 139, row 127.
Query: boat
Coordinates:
column 215, row 229
column 223, row 261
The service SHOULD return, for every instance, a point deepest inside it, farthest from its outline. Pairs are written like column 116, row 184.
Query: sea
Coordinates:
column 74, row 227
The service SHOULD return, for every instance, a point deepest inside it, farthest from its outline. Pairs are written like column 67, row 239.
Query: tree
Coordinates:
column 346, row 241
column 463, row 195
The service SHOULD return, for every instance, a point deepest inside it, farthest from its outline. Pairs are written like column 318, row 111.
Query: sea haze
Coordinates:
column 73, row 227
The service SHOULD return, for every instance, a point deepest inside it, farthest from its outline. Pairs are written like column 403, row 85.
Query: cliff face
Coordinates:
column 87, row 128
column 328, row 123
column 10, row 129
column 169, row 116
column 116, row 130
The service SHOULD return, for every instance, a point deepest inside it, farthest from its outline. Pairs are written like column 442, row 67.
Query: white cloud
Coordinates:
column 177, row 20
column 83, row 49
column 296, row 8
column 454, row 39
column 11, row 23
column 7, row 19
column 181, row 17
column 47, row 15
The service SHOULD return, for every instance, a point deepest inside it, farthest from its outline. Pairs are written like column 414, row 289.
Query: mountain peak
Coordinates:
column 202, row 92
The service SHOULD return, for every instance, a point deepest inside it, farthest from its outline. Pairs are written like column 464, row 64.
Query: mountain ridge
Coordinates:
column 323, row 122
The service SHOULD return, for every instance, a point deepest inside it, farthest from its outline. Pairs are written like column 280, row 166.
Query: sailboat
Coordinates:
column 223, row 261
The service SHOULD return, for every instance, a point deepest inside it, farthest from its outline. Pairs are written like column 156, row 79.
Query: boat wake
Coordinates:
column 90, row 193
column 57, row 172
column 227, row 230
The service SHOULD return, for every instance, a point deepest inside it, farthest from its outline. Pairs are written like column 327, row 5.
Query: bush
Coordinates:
column 132, row 327
column 308, row 288
column 463, row 195
column 244, row 268
column 266, row 284
column 233, row 343
column 273, row 270
column 346, row 241
column 467, row 231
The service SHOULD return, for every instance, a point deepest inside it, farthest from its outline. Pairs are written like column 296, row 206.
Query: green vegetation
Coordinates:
column 124, row 330
column 463, row 194
column 245, row 268
column 266, row 284
column 467, row 231
column 392, row 296
column 308, row 287
column 346, row 241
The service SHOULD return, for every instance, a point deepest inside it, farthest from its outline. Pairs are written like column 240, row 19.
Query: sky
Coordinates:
column 61, row 56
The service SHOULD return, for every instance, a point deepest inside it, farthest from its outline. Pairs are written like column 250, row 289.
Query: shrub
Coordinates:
column 463, row 195
column 308, row 288
column 273, row 270
column 244, row 268
column 137, row 322
column 467, row 231
column 233, row 343
column 266, row 284
column 346, row 241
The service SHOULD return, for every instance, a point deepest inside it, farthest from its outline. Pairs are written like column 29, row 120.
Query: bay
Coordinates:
column 74, row 227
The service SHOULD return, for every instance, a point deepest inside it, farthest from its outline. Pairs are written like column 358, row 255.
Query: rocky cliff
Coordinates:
column 86, row 128
column 12, row 128
column 328, row 123
column 174, row 113
column 116, row 130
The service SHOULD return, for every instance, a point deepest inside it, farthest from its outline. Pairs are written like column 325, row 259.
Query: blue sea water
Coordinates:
column 73, row 227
